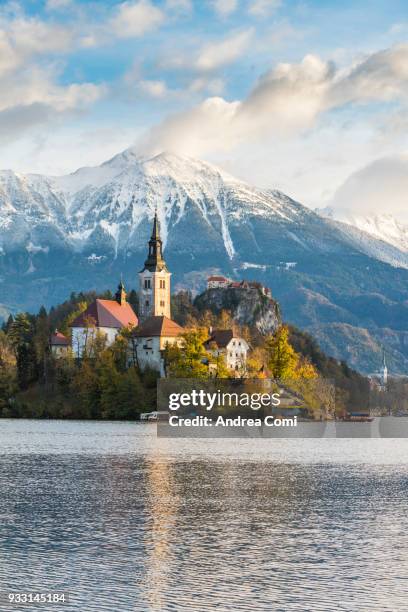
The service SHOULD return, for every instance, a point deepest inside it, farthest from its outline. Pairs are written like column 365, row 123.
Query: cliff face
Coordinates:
column 248, row 306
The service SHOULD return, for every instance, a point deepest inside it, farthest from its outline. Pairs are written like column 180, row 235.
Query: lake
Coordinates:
column 124, row 521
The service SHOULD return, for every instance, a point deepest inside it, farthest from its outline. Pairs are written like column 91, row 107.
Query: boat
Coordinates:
column 358, row 417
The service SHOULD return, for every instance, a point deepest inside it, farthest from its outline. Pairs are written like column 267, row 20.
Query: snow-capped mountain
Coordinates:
column 110, row 203
column 384, row 227
column 81, row 231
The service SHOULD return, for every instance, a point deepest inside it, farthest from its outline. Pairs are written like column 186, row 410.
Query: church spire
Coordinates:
column 155, row 261
column 384, row 370
column 156, row 228
column 120, row 294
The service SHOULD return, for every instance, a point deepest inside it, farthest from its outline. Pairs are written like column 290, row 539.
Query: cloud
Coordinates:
column 263, row 8
column 29, row 89
column 286, row 100
column 197, row 130
column 220, row 53
column 223, row 8
column 380, row 187
column 134, row 19
column 211, row 56
column 16, row 120
column 153, row 89
column 180, row 6
column 23, row 38
column 55, row 5
column 38, row 86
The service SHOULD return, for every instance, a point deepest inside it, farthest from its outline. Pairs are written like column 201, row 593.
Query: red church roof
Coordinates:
column 107, row 313
column 58, row 339
column 159, row 326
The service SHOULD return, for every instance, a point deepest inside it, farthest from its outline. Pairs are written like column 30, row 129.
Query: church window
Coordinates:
column 162, row 303
column 162, row 284
column 147, row 303
column 147, row 283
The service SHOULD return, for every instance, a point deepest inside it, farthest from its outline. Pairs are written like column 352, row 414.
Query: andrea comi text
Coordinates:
column 238, row 421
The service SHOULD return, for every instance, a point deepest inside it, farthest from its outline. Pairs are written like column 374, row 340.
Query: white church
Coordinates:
column 156, row 330
column 153, row 330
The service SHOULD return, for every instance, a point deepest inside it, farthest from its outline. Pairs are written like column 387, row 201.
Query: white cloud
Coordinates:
column 55, row 5
column 286, row 101
column 380, row 187
column 211, row 56
column 263, row 8
column 153, row 89
column 134, row 19
column 180, row 6
column 198, row 130
column 23, row 38
column 29, row 89
column 214, row 86
column 223, row 8
column 220, row 53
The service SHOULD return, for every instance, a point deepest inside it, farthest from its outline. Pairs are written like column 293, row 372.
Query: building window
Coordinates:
column 162, row 284
column 147, row 303
column 147, row 283
column 162, row 303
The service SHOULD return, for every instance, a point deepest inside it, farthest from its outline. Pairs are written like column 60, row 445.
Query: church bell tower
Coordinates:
column 154, row 279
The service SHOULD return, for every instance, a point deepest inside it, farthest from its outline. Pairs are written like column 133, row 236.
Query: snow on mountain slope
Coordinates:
column 113, row 199
column 384, row 227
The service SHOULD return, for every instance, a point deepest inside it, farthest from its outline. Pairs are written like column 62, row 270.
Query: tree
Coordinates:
column 191, row 359
column 108, row 380
column 8, row 378
column 21, row 335
column 282, row 359
column 86, row 391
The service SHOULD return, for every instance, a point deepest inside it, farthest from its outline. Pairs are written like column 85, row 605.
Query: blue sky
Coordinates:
column 295, row 95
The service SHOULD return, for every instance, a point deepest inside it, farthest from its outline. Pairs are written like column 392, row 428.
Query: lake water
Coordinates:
column 124, row 521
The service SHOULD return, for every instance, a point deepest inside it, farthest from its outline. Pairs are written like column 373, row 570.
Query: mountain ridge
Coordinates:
column 81, row 231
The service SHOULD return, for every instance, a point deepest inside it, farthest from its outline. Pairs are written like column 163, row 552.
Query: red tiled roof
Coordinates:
column 107, row 313
column 159, row 326
column 217, row 278
column 58, row 339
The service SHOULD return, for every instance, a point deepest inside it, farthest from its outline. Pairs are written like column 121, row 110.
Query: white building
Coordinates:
column 59, row 344
column 233, row 348
column 151, row 339
column 156, row 330
column 102, row 318
column 218, row 282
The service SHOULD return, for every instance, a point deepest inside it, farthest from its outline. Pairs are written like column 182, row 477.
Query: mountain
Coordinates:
column 81, row 231
column 382, row 236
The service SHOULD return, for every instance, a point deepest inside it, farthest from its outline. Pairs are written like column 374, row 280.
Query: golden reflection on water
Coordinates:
column 163, row 503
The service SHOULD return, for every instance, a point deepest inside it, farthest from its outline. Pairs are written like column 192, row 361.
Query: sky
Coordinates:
column 309, row 97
